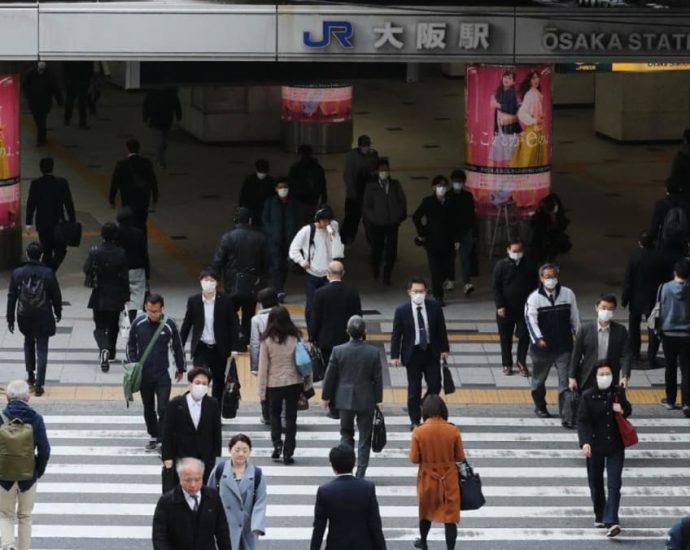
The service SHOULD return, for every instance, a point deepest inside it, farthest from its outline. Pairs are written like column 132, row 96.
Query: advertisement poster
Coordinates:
column 9, row 152
column 316, row 104
column 508, row 135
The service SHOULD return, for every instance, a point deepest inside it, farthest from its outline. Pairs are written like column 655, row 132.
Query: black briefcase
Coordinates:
column 448, row 382
column 230, row 400
column 68, row 233
column 378, row 433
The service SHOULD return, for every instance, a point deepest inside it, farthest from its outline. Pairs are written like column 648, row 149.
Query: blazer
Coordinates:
column 181, row 439
column 403, row 335
column 349, row 506
column 334, row 304
column 49, row 198
column 134, row 191
column 586, row 351
column 225, row 323
column 277, row 367
column 595, row 423
column 353, row 378
column 175, row 526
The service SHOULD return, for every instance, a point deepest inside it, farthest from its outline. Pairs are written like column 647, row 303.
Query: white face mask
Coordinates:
column 515, row 256
column 283, row 192
column 261, row 175
column 555, row 208
column 383, row 175
column 418, row 299
column 198, row 391
column 364, row 150
column 604, row 381
column 458, row 185
column 551, row 283
column 441, row 191
column 605, row 315
column 208, row 286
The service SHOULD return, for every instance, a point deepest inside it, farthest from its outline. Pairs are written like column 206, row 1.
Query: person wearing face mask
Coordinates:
column 360, row 165
column 280, row 217
column 514, row 278
column 436, row 228
column 308, row 182
column 419, row 341
column 548, row 225
column 200, row 438
column 39, row 88
column 212, row 321
column 462, row 204
column 552, row 319
column 601, row 444
column 256, row 190
column 385, row 208
column 599, row 340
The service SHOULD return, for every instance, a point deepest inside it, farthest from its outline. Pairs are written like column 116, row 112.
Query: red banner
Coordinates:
column 316, row 104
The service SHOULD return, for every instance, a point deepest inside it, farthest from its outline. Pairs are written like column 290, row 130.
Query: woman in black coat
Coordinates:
column 601, row 443
column 106, row 267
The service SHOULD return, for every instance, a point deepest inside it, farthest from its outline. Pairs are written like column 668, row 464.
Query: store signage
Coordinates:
column 556, row 40
column 340, row 30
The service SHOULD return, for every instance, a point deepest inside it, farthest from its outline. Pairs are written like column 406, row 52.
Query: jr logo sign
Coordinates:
column 340, row 30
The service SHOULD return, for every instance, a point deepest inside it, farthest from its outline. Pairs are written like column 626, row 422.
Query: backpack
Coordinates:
column 258, row 474
column 674, row 228
column 17, row 459
column 32, row 297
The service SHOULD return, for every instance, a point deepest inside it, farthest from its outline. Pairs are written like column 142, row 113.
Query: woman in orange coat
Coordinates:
column 436, row 446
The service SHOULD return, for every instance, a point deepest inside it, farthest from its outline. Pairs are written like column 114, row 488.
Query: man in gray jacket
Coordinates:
column 354, row 380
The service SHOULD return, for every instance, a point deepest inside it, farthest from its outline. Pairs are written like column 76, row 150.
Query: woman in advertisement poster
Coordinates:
column 4, row 160
column 506, row 126
column 531, row 148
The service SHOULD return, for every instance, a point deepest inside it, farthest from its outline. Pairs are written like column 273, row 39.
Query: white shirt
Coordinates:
column 194, row 409
column 321, row 253
column 603, row 334
column 208, row 336
column 416, row 323
column 190, row 499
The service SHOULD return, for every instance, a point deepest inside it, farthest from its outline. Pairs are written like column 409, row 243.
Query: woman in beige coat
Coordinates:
column 436, row 446
column 279, row 379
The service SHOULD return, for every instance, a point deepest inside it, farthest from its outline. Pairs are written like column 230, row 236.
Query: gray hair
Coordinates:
column 18, row 390
column 336, row 268
column 548, row 266
column 186, row 462
column 356, row 327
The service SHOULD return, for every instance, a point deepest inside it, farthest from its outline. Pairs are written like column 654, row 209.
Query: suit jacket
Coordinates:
column 135, row 192
column 334, row 304
column 646, row 270
column 350, row 508
column 353, row 377
column 225, row 323
column 181, row 439
column 49, row 198
column 175, row 526
column 403, row 335
column 586, row 351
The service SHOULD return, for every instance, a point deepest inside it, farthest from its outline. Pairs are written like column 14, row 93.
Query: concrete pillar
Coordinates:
column 575, row 88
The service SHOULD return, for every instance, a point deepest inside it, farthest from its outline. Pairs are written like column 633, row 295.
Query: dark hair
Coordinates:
column 602, row 363
column 262, row 165
column 109, row 232
column 416, row 280
column 434, row 407
column 125, row 214
column 280, row 326
column 383, row 161
column 305, row 150
column 674, row 185
column 282, row 179
column 514, row 240
column 645, row 239
column 196, row 371
column 34, row 250
column 686, row 135
column 363, row 140
column 342, row 459
column 439, row 179
column 154, row 299
column 243, row 215
column 46, row 164
column 133, row 145
column 610, row 298
column 458, row 175
column 527, row 83
column 324, row 212
column 208, row 272
column 267, row 297
column 500, row 90
column 239, row 438
column 682, row 268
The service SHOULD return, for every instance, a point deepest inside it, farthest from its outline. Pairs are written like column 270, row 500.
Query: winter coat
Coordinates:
column 436, row 446
column 255, row 193
column 272, row 220
column 277, row 366
column 385, row 209
column 40, row 88
column 109, row 262
column 647, row 269
column 44, row 323
column 595, row 422
column 434, row 221
column 160, row 106
column 242, row 250
column 463, row 204
column 513, row 282
column 308, row 182
column 358, row 171
column 675, row 308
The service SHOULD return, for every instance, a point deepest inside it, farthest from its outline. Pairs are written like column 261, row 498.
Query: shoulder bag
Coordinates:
column 654, row 318
column 626, row 429
column 131, row 382
column 471, row 496
column 303, row 360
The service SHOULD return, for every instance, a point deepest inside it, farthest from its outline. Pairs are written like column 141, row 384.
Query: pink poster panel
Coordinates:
column 9, row 152
column 508, row 135
column 316, row 104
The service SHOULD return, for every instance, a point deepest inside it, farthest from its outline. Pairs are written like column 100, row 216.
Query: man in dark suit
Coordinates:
column 353, row 380
column 419, row 341
column 191, row 516
column 349, row 506
column 334, row 304
column 600, row 340
column 192, row 426
column 135, row 179
column 49, row 198
column 213, row 322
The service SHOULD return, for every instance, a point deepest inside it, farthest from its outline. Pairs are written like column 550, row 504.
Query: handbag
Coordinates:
column 626, row 429
column 337, row 247
column 131, row 381
column 230, row 400
column 91, row 276
column 318, row 366
column 303, row 402
column 303, row 359
column 124, row 324
column 448, row 382
column 378, row 432
column 654, row 318
column 471, row 496
column 68, row 233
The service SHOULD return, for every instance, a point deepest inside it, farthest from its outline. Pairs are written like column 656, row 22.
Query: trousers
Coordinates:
column 634, row 320
column 677, row 354
column 465, row 252
column 384, row 246
column 438, row 266
column 155, row 397
column 53, row 253
column 311, row 285
column 605, row 507
column 107, row 328
column 276, row 396
column 365, row 424
column 209, row 357
column 507, row 326
column 422, row 363
column 541, row 365
column 36, row 355
column 16, row 505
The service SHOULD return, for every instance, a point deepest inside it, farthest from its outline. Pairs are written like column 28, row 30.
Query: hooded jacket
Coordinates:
column 675, row 308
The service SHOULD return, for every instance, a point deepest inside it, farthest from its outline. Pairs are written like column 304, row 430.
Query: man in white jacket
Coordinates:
column 312, row 249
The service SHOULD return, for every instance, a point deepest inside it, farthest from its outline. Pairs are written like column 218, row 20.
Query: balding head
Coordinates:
column 335, row 271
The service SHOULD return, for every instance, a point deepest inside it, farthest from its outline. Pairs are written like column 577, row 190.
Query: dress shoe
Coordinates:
column 277, row 451
column 419, row 543
column 667, row 405
column 522, row 369
column 334, row 416
column 469, row 289
column 104, row 357
column 542, row 413
column 507, row 370
column 288, row 460
column 39, row 391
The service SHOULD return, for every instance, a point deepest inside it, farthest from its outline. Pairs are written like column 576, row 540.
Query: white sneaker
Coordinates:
column 449, row 285
column 469, row 289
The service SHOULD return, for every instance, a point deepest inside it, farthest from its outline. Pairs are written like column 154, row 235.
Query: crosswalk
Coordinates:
column 101, row 487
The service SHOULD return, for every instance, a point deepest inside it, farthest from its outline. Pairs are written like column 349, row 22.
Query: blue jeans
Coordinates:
column 33, row 347
column 311, row 285
column 605, row 508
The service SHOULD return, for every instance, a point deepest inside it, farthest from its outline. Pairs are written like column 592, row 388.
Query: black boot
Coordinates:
column 277, row 450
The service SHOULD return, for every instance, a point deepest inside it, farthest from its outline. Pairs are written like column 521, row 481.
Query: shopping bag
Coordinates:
column 124, row 324
column 471, row 496
column 378, row 433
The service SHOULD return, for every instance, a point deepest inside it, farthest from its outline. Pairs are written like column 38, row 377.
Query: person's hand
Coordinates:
column 495, row 104
column 501, row 312
column 395, row 362
column 234, row 355
column 58, row 318
column 305, row 265
column 587, row 450
column 10, row 327
column 258, row 533
column 617, row 408
column 379, row 406
column 324, row 404
column 27, row 230
column 444, row 356
column 168, row 464
column 178, row 376
column 625, row 383
column 572, row 384
column 456, row 246
column 541, row 343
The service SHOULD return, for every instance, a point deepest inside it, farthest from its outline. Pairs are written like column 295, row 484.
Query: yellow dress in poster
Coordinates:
column 4, row 161
column 531, row 147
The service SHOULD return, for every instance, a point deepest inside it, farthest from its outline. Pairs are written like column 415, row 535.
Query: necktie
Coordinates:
column 423, row 340
column 196, row 503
